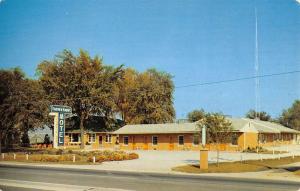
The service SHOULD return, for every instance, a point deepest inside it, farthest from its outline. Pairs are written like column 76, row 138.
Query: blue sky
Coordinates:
column 194, row 40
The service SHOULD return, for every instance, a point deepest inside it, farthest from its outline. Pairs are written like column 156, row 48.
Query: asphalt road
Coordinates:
column 42, row 178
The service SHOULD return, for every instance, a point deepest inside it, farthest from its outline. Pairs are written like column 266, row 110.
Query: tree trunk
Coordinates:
column 0, row 143
column 82, row 132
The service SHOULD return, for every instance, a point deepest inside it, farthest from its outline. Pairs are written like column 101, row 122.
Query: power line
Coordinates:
column 237, row 79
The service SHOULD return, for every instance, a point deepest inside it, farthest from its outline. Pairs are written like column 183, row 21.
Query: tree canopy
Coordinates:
column 196, row 115
column 83, row 83
column 218, row 128
column 91, row 88
column 264, row 116
column 146, row 97
column 21, row 105
column 291, row 116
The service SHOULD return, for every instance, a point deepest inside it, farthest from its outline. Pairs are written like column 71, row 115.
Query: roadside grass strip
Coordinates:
column 244, row 166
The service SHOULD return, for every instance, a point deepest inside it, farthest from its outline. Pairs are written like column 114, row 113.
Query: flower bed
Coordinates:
column 60, row 156
column 112, row 156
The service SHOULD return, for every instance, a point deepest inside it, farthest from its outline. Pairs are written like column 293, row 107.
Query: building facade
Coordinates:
column 93, row 140
column 246, row 133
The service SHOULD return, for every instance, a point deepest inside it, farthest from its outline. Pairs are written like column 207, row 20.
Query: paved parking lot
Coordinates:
column 163, row 161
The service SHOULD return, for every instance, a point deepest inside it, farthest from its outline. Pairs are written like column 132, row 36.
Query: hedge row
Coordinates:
column 100, row 156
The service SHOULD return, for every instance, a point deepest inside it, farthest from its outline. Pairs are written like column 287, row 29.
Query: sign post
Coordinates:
column 203, row 151
column 59, row 112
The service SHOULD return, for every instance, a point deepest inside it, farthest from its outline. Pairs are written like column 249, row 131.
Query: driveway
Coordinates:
column 163, row 161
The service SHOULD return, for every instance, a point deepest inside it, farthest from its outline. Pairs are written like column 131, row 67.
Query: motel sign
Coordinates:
column 59, row 112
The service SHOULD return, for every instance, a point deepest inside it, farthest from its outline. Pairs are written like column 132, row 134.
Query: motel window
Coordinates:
column 92, row 138
column 180, row 140
column 196, row 139
column 75, row 138
column 262, row 138
column 154, row 140
column 234, row 139
column 108, row 138
column 125, row 140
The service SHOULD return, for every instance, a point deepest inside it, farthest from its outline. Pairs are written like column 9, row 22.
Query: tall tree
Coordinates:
column 148, row 97
column 196, row 115
column 127, row 86
column 218, row 129
column 291, row 116
column 82, row 82
column 252, row 114
column 21, row 108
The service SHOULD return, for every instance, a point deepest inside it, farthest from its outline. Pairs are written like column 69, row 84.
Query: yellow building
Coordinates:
column 247, row 133
column 93, row 140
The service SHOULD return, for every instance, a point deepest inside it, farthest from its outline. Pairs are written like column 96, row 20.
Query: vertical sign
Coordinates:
column 203, row 135
column 59, row 112
column 61, row 129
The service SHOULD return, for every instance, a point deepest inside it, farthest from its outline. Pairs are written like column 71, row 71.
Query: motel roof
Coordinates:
column 238, row 125
column 158, row 128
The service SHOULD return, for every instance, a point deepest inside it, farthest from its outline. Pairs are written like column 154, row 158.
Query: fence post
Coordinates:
column 74, row 158
column 273, row 151
column 94, row 159
column 293, row 155
column 27, row 157
column 241, row 158
column 3, row 155
column 14, row 156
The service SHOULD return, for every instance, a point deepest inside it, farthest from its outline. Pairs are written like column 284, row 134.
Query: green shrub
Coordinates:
column 59, row 152
column 35, row 157
column 133, row 156
column 65, row 158
column 49, row 158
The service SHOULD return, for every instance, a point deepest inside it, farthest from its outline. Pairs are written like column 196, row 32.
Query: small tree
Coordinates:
column 264, row 116
column 196, row 115
column 291, row 116
column 218, row 130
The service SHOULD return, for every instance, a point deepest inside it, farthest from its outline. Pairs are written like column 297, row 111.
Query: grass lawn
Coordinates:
column 245, row 166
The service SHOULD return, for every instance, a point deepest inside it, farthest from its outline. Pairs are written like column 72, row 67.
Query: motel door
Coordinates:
column 145, row 143
column 171, row 143
column 100, row 140
column 222, row 147
column 133, row 143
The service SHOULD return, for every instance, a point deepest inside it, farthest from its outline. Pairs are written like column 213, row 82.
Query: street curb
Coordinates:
column 154, row 174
